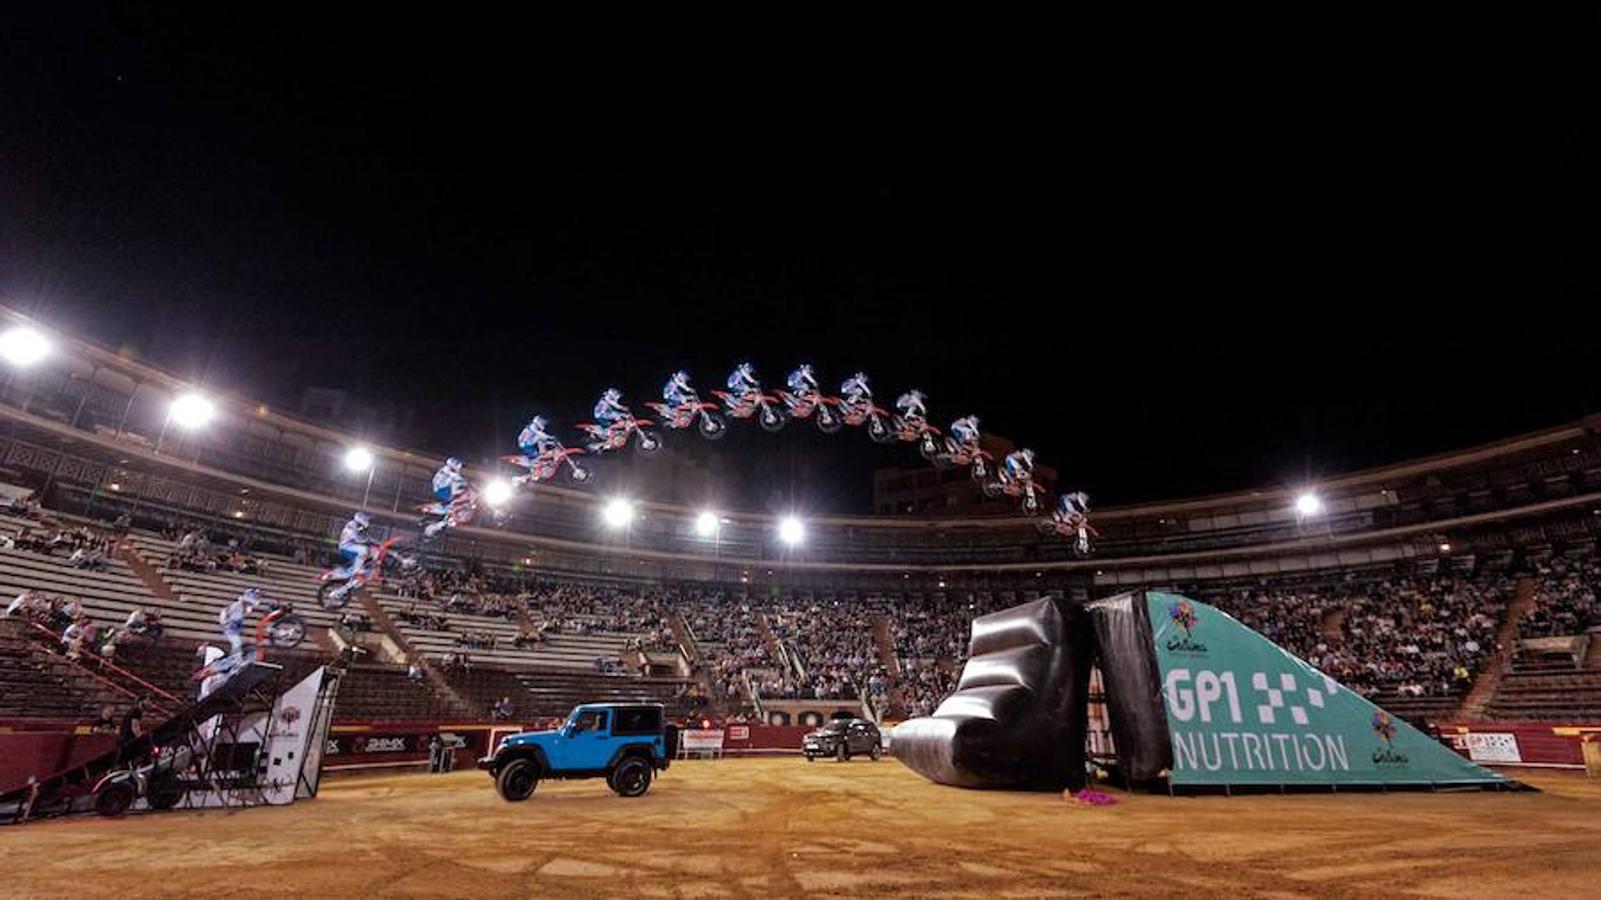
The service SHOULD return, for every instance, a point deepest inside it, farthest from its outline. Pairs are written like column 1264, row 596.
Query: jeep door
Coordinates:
column 586, row 742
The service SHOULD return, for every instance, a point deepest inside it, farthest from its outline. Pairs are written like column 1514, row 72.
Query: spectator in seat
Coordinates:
column 30, row 603
column 106, row 722
column 415, row 674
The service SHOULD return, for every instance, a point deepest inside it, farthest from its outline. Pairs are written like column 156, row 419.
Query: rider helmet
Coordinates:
column 746, row 369
column 250, row 594
column 453, row 464
column 538, row 423
column 805, row 369
column 1028, row 456
column 612, row 395
column 362, row 519
column 681, row 378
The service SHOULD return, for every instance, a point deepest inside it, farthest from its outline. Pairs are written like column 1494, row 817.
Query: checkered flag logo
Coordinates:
column 1279, row 697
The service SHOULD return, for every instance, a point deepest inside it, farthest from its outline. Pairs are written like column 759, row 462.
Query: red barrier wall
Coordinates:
column 739, row 739
column 1539, row 744
column 44, row 753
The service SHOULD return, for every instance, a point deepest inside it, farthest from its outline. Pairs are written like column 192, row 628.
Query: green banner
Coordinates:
column 1241, row 710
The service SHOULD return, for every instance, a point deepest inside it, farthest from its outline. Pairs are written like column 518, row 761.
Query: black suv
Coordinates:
column 842, row 739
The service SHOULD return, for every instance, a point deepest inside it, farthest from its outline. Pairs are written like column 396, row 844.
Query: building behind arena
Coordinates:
column 1456, row 589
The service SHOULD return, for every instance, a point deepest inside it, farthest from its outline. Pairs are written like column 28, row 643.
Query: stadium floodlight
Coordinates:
column 358, row 459
column 497, row 492
column 617, row 513
column 707, row 523
column 791, row 531
column 191, row 411
column 1308, row 504
column 22, row 346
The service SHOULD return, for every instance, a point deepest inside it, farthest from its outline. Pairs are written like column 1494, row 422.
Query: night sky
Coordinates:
column 1176, row 256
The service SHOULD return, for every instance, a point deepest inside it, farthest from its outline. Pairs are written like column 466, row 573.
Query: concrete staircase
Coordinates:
column 884, row 640
column 1506, row 639
column 147, row 573
column 392, row 633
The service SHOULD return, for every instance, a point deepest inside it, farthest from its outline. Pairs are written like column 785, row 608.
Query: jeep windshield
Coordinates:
column 837, row 726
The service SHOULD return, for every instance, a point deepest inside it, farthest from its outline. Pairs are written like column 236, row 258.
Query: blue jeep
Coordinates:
column 626, row 742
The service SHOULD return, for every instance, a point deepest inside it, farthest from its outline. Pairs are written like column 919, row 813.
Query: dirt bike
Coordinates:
column 802, row 406
column 546, row 465
column 459, row 511
column 865, row 413
column 1006, row 486
column 335, row 590
column 603, row 439
column 281, row 627
column 971, row 455
column 925, row 435
column 753, row 402
column 706, row 416
column 1076, row 528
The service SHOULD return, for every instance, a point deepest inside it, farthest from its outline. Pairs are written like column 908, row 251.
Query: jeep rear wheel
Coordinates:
column 517, row 780
column 631, row 778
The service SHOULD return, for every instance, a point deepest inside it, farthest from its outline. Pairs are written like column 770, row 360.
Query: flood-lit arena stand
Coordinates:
column 1453, row 590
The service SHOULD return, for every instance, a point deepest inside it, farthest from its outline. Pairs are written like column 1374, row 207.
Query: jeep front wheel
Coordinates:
column 631, row 778
column 842, row 752
column 875, row 753
column 517, row 780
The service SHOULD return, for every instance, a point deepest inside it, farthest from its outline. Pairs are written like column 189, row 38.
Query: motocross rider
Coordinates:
column 355, row 546
column 911, row 406
column 855, row 392
column 535, row 440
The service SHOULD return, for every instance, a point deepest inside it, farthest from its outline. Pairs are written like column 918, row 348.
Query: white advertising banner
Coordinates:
column 701, row 740
column 1492, row 747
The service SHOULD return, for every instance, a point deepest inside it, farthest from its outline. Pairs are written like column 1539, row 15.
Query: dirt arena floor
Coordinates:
column 785, row 827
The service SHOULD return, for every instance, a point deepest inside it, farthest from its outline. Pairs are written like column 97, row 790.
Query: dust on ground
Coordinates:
column 787, row 827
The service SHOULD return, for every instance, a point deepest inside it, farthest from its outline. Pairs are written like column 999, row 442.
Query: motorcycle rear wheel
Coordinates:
column 771, row 419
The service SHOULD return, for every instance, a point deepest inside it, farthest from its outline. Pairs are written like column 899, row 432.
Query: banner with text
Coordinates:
column 1242, row 710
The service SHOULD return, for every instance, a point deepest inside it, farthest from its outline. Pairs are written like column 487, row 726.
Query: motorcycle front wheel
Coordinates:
column 828, row 421
column 649, row 441
column 771, row 419
column 287, row 632
column 992, row 489
column 578, row 473
column 712, row 426
column 877, row 430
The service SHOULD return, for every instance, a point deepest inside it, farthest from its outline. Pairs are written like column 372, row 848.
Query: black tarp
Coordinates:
column 1018, row 716
column 1133, row 685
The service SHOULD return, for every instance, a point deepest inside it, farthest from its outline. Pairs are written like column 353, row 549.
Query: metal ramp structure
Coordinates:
column 249, row 742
